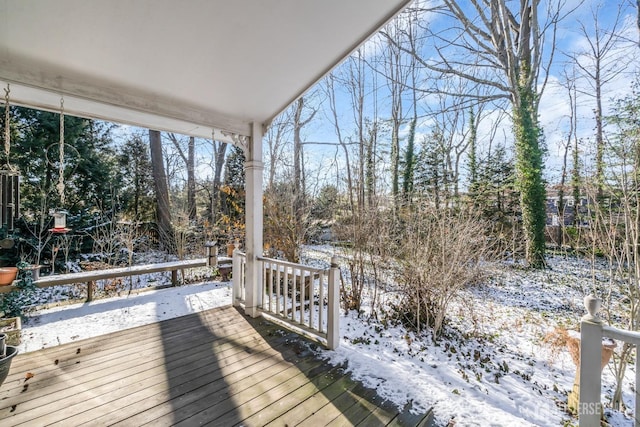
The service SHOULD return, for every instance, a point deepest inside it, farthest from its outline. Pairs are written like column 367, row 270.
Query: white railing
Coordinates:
column 303, row 298
column 238, row 275
column 592, row 330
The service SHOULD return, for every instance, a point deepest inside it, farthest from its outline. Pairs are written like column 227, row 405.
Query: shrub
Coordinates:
column 440, row 254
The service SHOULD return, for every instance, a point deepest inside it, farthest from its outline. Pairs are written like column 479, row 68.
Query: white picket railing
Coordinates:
column 304, row 298
column 592, row 330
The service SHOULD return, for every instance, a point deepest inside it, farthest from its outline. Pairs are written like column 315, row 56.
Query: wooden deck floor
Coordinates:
column 217, row 368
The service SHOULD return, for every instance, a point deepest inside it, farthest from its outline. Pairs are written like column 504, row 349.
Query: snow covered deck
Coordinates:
column 218, row 367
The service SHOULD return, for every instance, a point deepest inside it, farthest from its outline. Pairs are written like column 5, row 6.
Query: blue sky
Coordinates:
column 554, row 109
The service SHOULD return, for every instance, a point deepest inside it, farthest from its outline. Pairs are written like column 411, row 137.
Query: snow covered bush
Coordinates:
column 440, row 254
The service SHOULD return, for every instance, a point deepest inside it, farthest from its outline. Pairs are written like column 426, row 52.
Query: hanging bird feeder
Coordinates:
column 60, row 215
column 9, row 180
column 59, row 222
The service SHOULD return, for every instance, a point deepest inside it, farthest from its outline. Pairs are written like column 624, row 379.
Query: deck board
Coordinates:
column 218, row 367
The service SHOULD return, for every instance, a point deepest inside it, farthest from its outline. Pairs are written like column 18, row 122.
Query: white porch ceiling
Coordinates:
column 185, row 66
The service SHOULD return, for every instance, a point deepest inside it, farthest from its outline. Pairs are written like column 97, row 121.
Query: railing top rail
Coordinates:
column 110, row 273
column 294, row 265
column 632, row 337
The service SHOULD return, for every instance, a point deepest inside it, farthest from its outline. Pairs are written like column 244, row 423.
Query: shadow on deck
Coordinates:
column 218, row 368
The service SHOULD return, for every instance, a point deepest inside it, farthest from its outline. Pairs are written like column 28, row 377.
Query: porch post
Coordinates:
column 589, row 405
column 254, row 215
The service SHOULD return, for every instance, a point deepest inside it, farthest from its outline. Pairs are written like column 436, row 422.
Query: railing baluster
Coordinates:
column 636, row 412
column 285, row 292
column 312, row 308
column 278, row 289
column 294, row 291
column 305, row 277
column 321, row 316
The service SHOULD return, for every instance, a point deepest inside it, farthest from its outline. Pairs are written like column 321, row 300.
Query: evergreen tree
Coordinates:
column 136, row 178
column 430, row 175
column 89, row 161
column 232, row 192
column 234, row 169
column 496, row 195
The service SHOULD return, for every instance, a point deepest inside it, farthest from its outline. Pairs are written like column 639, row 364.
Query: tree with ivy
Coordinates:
column 498, row 44
column 473, row 156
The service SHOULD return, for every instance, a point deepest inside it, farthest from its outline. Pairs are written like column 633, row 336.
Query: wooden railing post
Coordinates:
column 90, row 285
column 236, row 278
column 589, row 406
column 333, row 315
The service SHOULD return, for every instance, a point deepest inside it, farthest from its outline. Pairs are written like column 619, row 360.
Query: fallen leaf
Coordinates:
column 28, row 376
column 13, row 408
column 56, row 362
column 78, row 351
column 24, row 388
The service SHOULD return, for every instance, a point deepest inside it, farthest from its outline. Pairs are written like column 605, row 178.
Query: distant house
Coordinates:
column 556, row 218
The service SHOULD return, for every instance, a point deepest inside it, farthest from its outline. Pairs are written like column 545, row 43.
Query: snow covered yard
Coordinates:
column 494, row 366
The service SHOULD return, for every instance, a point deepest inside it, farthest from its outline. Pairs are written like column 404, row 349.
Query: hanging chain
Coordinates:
column 60, row 185
column 7, row 125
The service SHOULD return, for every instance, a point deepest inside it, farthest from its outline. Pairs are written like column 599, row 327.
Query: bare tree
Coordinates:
column 598, row 64
column 298, row 173
column 219, row 153
column 276, row 137
column 498, row 43
column 398, row 68
column 163, row 210
column 331, row 95
column 189, row 161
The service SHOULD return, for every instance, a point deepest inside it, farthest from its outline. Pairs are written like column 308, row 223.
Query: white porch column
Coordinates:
column 254, row 220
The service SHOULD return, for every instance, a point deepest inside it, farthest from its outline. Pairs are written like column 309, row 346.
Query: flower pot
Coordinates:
column 7, row 275
column 5, row 362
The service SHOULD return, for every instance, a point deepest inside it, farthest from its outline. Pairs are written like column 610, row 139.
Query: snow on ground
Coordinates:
column 494, row 365
column 66, row 323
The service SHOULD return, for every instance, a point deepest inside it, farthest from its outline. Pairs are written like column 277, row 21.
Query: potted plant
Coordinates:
column 12, row 303
column 7, row 353
column 7, row 275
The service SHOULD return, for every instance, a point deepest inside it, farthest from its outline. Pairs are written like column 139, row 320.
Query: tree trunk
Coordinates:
column 191, row 179
column 529, row 178
column 219, row 152
column 163, row 212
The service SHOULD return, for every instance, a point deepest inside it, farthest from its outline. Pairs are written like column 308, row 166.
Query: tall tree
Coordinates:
column 163, row 208
column 219, row 153
column 136, row 191
column 473, row 155
column 503, row 40
column 189, row 160
column 397, row 74
column 298, row 173
column 602, row 60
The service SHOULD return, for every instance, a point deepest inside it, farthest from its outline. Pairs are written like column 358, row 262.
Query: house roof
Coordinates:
column 186, row 66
